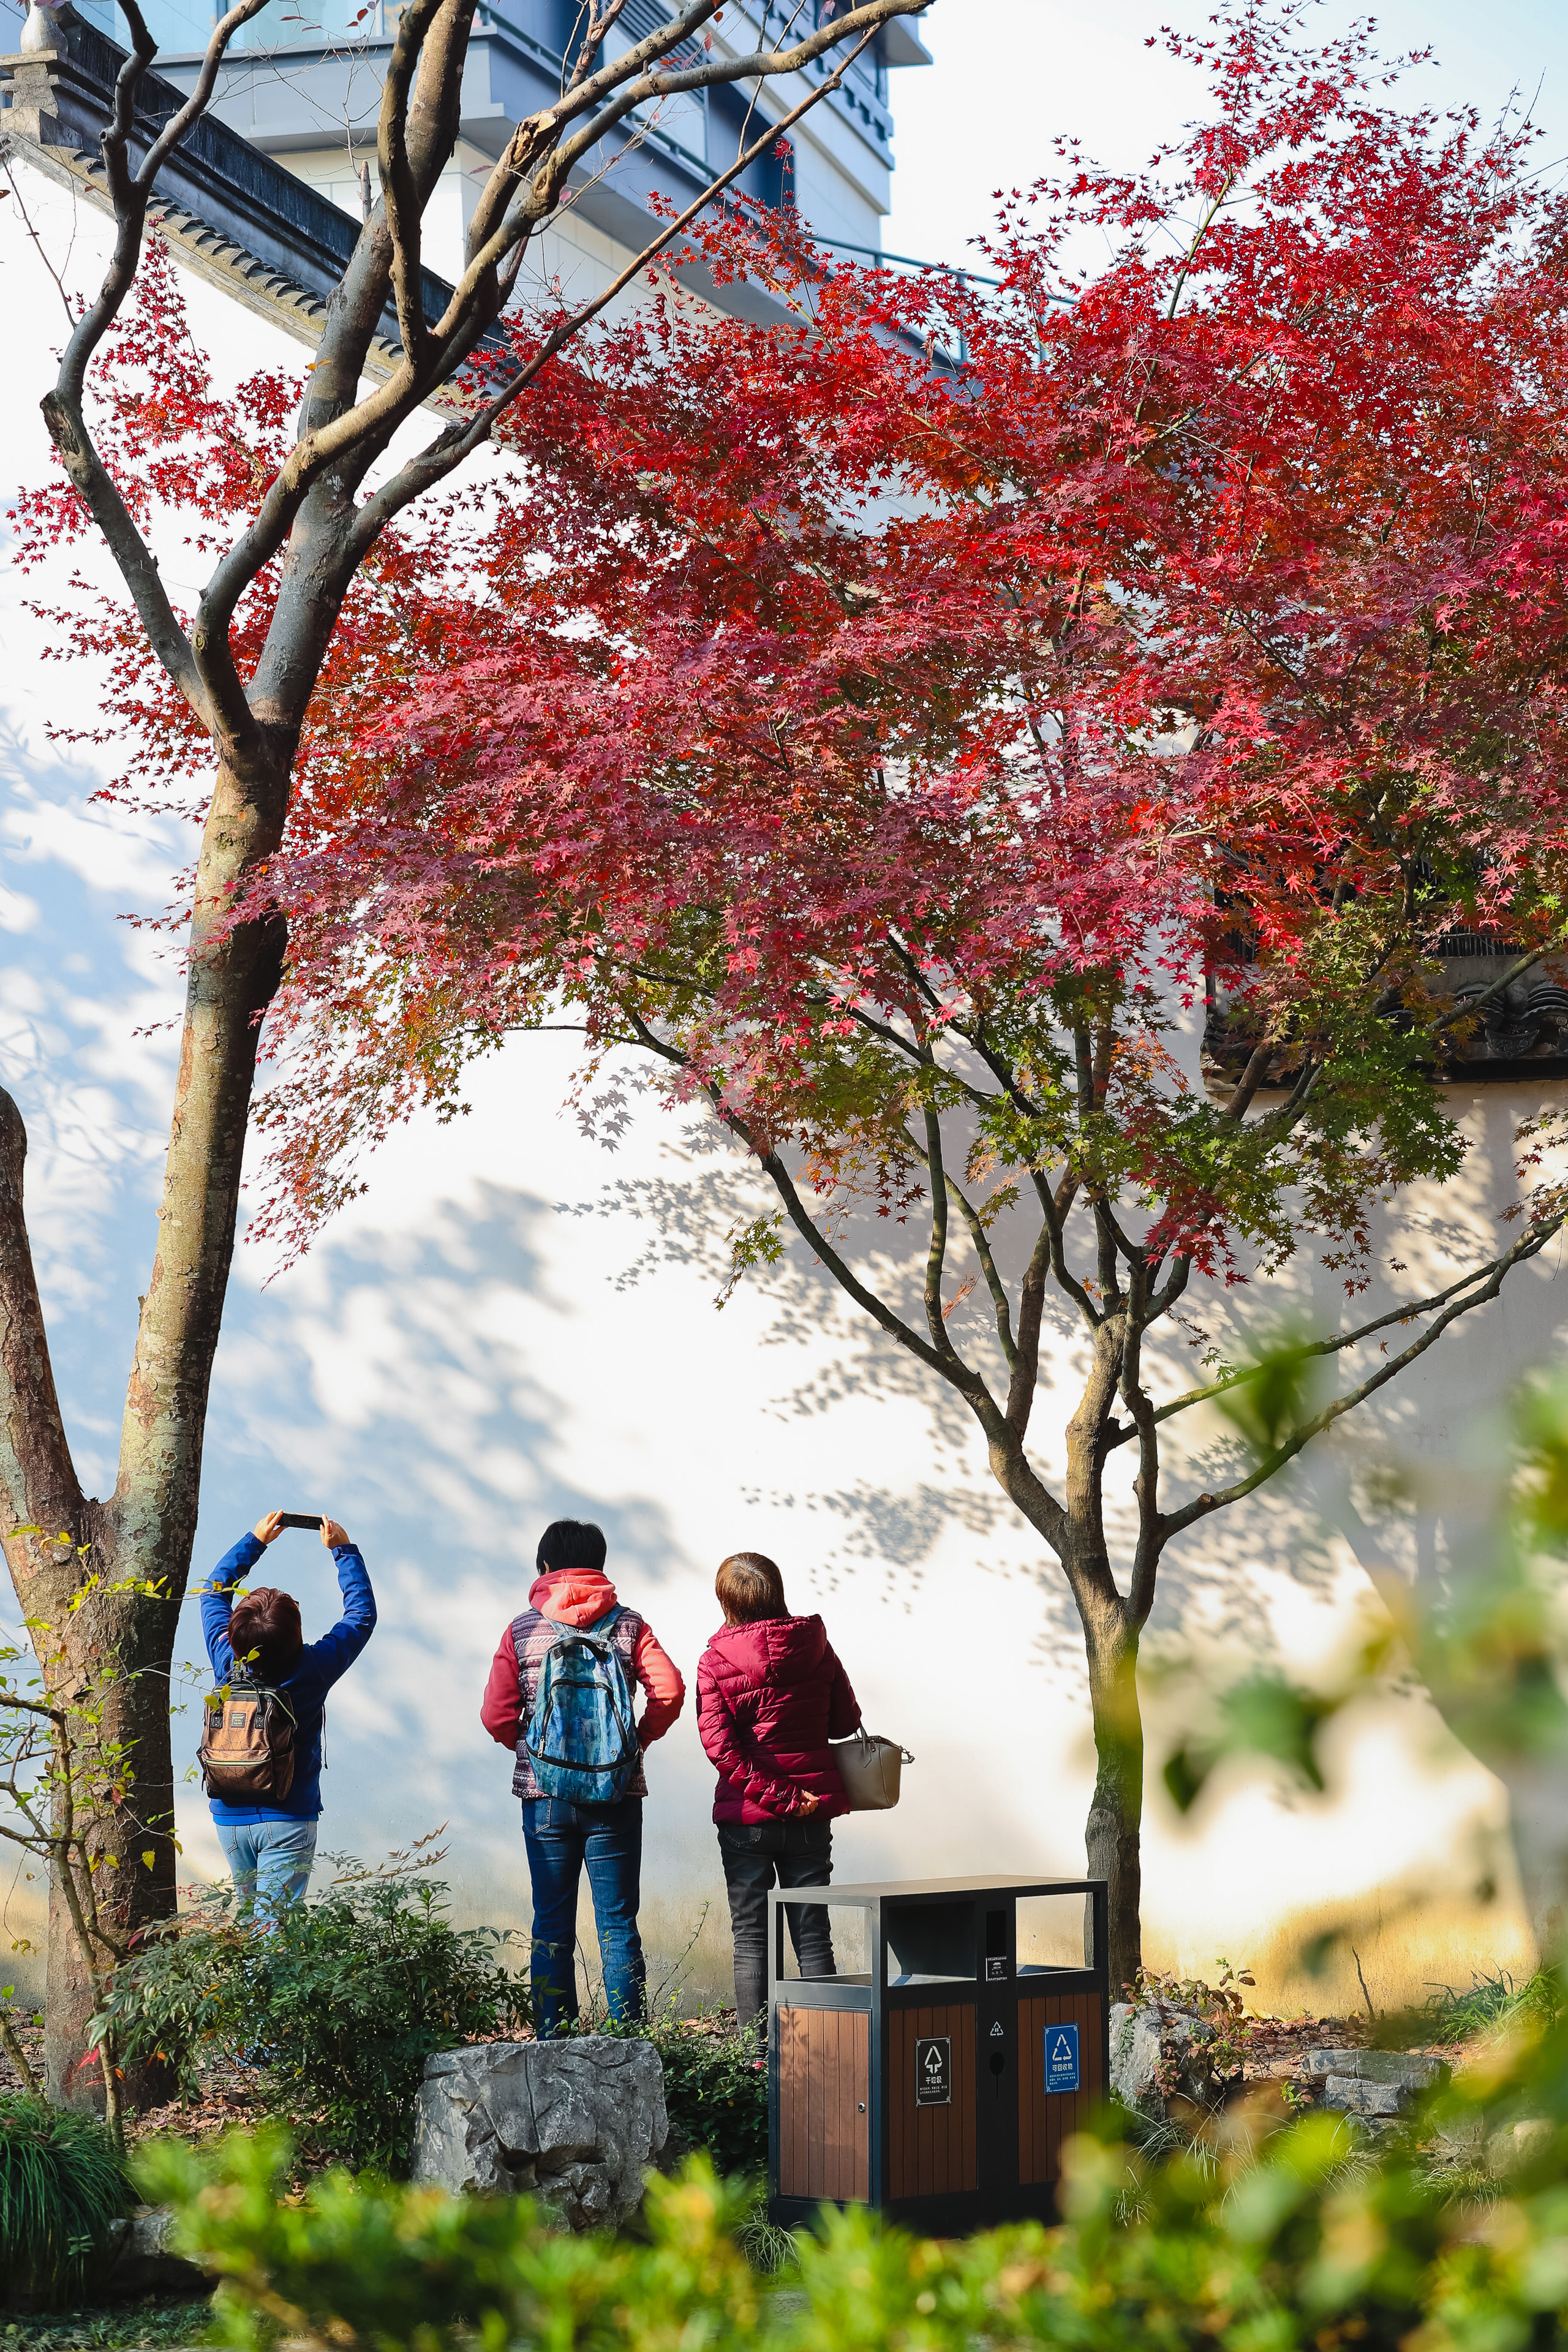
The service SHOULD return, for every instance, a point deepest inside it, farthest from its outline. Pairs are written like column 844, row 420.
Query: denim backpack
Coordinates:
column 580, row 1737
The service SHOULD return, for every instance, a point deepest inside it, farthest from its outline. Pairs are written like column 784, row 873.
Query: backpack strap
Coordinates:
column 246, row 1685
column 597, row 1634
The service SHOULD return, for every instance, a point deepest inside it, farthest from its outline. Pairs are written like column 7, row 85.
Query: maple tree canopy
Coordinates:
column 926, row 710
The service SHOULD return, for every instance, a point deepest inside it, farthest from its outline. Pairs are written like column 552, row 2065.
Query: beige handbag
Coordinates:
column 869, row 1768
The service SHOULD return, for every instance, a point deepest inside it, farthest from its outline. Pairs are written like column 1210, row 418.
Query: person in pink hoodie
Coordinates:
column 770, row 1696
column 562, row 1838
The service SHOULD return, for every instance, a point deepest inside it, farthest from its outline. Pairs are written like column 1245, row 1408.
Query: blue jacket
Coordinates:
column 320, row 1665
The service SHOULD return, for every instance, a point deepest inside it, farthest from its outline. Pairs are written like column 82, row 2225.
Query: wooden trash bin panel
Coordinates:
column 930, row 2149
column 824, row 2100
column 1047, row 2118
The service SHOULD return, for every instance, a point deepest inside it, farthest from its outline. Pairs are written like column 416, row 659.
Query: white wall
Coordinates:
column 516, row 1325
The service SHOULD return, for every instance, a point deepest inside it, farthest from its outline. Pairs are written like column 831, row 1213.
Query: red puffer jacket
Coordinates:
column 770, row 1696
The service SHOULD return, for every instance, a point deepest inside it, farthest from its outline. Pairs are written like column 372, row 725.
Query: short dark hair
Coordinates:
column 571, row 1543
column 749, row 1586
column 264, row 1631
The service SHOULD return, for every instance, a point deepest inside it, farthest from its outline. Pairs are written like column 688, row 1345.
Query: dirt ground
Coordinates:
column 228, row 2097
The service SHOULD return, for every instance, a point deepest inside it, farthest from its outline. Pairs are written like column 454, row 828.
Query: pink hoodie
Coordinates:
column 579, row 1596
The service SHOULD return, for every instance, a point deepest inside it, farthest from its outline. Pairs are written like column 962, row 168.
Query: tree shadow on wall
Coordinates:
column 397, row 1383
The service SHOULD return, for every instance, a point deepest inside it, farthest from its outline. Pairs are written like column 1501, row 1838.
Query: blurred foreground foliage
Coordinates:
column 1267, row 2236
column 1487, row 1639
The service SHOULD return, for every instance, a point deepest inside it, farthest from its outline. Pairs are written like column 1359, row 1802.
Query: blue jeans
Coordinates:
column 271, row 1862
column 560, row 1838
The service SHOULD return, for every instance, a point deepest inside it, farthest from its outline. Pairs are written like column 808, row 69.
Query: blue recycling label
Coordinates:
column 1061, row 2058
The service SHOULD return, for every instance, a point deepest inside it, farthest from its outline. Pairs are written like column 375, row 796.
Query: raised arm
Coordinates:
column 335, row 1652
column 217, row 1597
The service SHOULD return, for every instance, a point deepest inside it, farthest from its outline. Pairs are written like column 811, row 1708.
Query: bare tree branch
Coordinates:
column 459, row 442
column 1402, row 1313
column 1529, row 1245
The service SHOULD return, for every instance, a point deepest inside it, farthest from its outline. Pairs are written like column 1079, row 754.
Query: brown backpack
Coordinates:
column 247, row 1743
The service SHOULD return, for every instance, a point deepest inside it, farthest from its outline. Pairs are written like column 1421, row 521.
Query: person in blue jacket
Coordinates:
column 270, row 1848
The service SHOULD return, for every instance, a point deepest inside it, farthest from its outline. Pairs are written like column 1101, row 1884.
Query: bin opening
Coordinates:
column 850, row 1927
column 1053, row 1933
column 932, row 1943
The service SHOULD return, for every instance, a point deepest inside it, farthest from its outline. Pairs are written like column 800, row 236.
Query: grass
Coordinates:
column 61, row 2185
column 1410, row 1946
column 1410, row 1943
column 769, row 2248
column 1493, row 2001
column 686, row 1942
column 151, row 2325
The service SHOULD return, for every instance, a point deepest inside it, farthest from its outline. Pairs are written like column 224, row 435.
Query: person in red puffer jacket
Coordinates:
column 770, row 1696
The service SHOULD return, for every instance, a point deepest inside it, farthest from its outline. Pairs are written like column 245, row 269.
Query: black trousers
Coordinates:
column 757, row 1855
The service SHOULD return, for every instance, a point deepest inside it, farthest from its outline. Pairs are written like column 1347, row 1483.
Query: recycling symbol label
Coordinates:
column 997, row 2033
column 1061, row 2058
column 933, row 2071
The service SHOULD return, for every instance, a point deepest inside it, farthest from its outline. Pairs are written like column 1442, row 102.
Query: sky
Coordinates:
column 1012, row 75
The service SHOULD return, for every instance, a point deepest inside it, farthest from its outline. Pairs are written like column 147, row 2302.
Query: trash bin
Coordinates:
column 939, row 2076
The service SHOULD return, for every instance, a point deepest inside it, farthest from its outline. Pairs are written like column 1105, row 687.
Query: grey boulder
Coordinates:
column 1404, row 2070
column 1374, row 2082
column 576, row 2122
column 1140, row 2038
column 1353, row 2096
column 137, row 2257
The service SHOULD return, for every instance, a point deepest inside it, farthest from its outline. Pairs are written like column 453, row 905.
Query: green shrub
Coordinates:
column 61, row 2185
column 342, row 2000
column 715, row 2090
column 1286, row 2241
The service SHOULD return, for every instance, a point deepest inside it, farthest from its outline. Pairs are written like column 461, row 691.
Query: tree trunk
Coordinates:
column 1075, row 1529
column 1110, row 1646
column 1112, row 1833
column 134, row 1551
column 1538, row 1822
column 131, row 1636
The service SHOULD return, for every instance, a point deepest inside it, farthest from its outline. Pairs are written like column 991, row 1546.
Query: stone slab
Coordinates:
column 1354, row 2097
column 1409, row 2070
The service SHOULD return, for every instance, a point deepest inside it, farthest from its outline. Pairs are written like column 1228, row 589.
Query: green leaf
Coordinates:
column 1184, row 1775
column 1277, row 1396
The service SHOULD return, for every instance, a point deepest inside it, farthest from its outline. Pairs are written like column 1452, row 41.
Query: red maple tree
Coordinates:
column 920, row 717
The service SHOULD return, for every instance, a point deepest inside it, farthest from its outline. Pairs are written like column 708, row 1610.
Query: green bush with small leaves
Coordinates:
column 715, row 2090
column 340, row 2000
